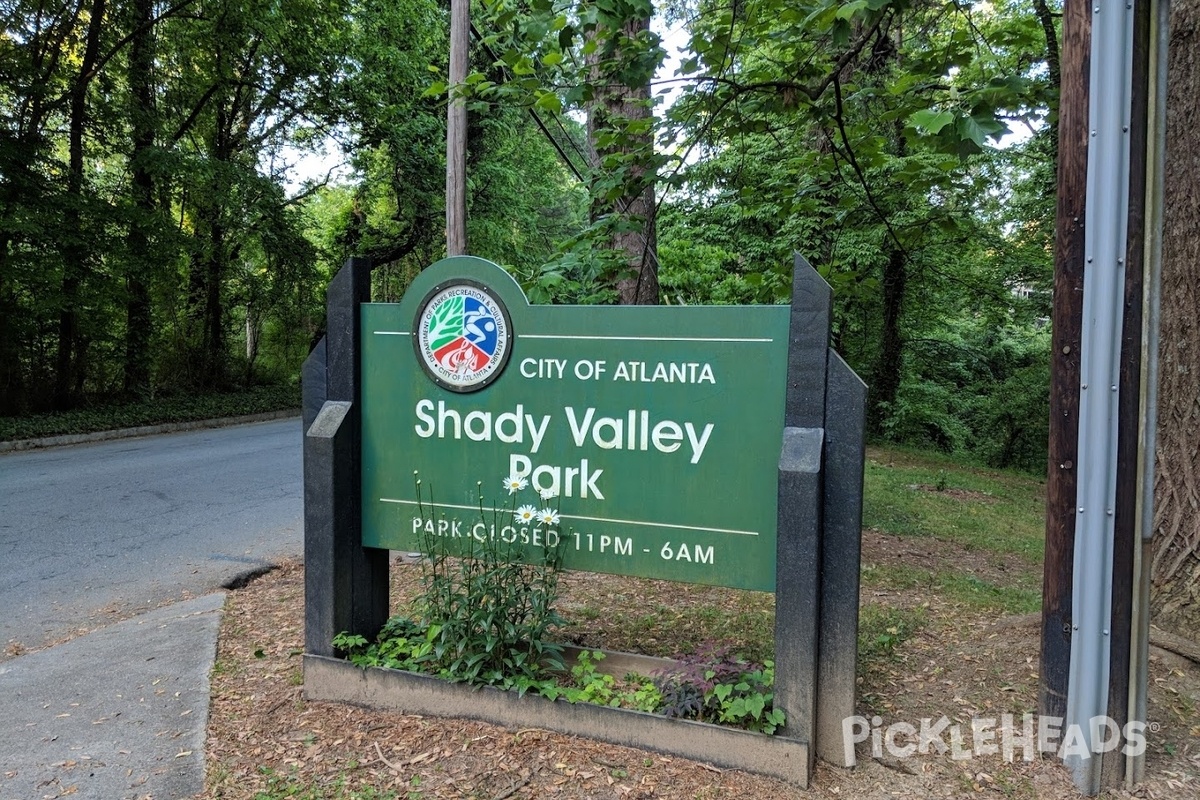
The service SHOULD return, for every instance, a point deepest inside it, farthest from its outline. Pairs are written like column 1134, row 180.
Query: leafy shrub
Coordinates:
column 592, row 686
column 1014, row 420
column 484, row 615
column 977, row 386
column 180, row 408
column 713, row 685
column 493, row 612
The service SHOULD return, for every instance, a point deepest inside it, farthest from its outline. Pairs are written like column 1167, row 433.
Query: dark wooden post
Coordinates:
column 1067, row 324
column 456, row 131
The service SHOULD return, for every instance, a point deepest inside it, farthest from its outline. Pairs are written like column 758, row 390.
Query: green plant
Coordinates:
column 592, row 686
column 485, row 611
column 644, row 696
column 490, row 608
column 402, row 644
column 713, row 685
column 747, row 703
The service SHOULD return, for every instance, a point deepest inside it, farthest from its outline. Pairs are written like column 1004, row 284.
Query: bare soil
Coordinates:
column 936, row 555
column 966, row 495
column 263, row 735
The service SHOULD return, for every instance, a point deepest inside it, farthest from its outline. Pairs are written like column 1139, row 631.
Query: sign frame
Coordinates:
column 818, row 480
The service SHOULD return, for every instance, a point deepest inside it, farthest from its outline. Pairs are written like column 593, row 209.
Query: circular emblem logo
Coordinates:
column 462, row 336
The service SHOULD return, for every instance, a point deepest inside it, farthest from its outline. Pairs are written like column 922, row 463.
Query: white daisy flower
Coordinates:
column 548, row 516
column 548, row 494
column 515, row 483
column 525, row 514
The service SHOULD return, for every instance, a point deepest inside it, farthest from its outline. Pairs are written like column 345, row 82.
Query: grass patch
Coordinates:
column 189, row 408
column 881, row 629
column 1025, row 597
column 911, row 494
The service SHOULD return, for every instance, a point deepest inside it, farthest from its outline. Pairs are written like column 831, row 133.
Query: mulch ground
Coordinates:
column 264, row 736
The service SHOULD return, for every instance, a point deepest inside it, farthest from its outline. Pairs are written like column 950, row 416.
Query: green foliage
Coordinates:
column 881, row 629
column 599, row 688
column 280, row 787
column 164, row 249
column 456, row 642
column 484, row 613
column 176, row 408
column 147, row 244
column 713, row 685
column 490, row 612
column 747, row 703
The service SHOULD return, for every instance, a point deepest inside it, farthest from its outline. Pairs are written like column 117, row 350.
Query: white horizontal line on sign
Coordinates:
column 393, row 333
column 639, row 339
column 574, row 516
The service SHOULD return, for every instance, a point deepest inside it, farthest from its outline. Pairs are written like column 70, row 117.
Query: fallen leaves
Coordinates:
column 260, row 720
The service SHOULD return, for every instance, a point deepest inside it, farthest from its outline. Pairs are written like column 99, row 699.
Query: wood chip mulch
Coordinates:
column 266, row 741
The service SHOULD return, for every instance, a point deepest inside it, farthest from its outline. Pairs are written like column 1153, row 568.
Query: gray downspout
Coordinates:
column 1105, row 238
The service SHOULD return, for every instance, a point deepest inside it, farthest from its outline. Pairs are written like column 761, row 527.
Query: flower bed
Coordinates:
column 335, row 680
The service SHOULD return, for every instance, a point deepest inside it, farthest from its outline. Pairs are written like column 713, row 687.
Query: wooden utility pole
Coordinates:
column 1066, row 325
column 456, row 131
column 1092, row 506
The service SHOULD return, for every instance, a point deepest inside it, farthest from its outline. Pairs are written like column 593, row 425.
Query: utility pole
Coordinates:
column 1064, row 360
column 1093, row 631
column 456, row 131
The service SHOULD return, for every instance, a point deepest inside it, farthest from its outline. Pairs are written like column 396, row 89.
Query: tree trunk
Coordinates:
column 69, row 361
column 140, row 260
column 888, row 370
column 614, row 107
column 12, row 384
column 214, row 307
column 1176, row 562
column 886, row 384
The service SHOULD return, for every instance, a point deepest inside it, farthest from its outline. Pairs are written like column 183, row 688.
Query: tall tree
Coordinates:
column 622, row 54
column 869, row 122
column 76, row 256
column 1176, row 561
column 250, row 76
column 46, row 60
column 598, row 57
column 140, row 258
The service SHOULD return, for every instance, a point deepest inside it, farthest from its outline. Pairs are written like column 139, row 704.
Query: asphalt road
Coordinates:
column 93, row 533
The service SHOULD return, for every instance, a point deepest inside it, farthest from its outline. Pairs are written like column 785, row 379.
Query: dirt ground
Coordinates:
column 264, row 737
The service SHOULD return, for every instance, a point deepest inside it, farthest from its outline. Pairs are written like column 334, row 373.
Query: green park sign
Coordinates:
column 656, row 430
column 716, row 445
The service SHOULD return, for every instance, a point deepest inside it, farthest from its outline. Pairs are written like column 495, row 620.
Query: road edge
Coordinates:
column 144, row 430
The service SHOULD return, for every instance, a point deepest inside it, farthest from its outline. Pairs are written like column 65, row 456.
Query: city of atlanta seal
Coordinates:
column 463, row 336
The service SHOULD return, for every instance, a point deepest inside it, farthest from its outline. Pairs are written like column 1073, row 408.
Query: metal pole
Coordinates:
column 1103, row 307
column 1139, row 660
